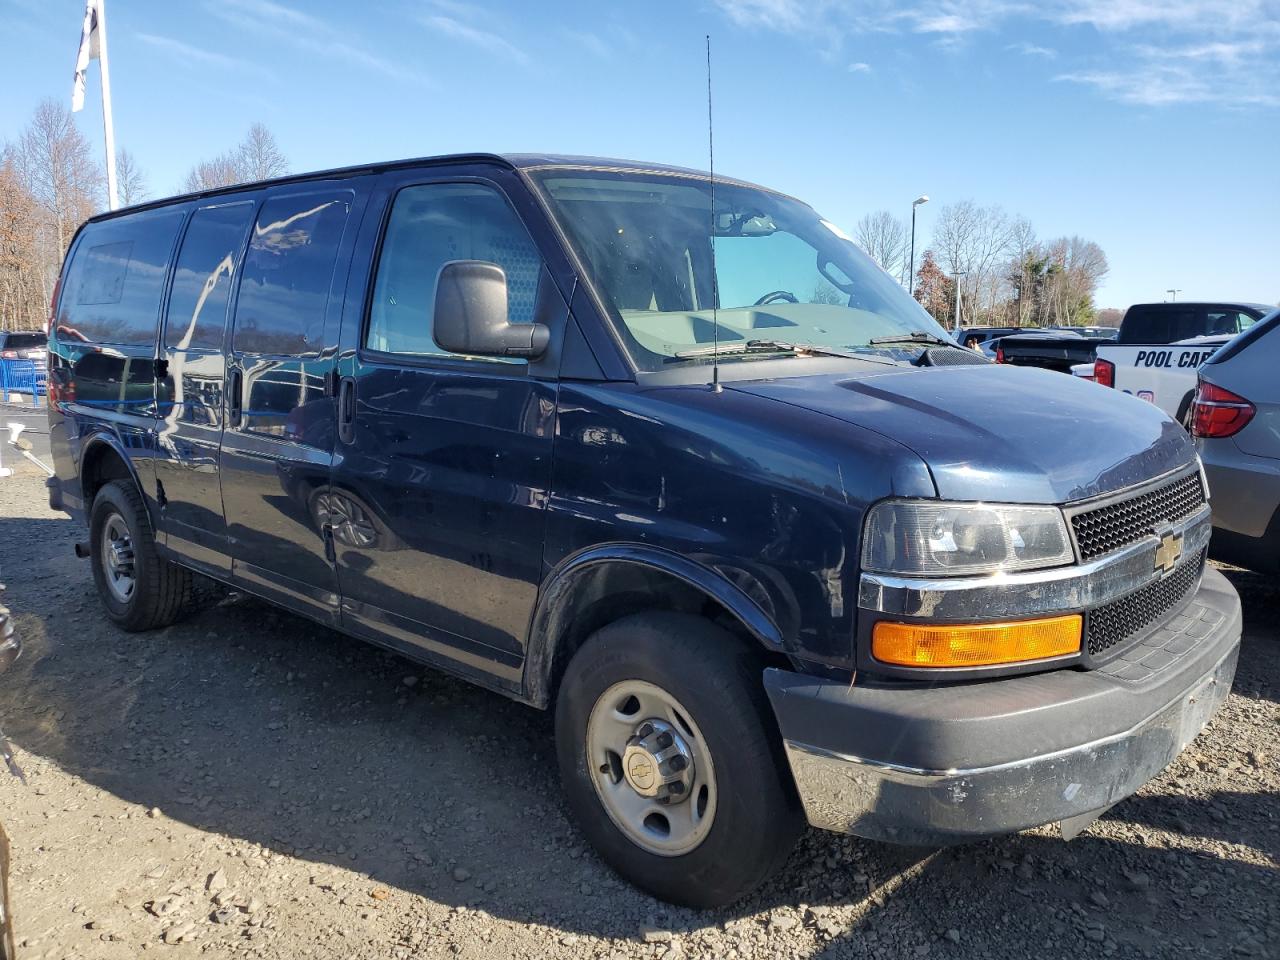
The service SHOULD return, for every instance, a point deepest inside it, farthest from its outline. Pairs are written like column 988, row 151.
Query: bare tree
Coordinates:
column 22, row 303
column 58, row 186
column 885, row 239
column 1022, row 246
column 257, row 157
column 221, row 171
column 974, row 241
column 54, row 162
column 131, row 182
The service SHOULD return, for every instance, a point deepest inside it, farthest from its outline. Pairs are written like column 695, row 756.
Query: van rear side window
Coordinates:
column 284, row 286
column 202, row 279
column 116, row 279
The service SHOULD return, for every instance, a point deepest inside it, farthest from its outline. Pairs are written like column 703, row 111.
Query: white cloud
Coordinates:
column 306, row 32
column 1028, row 49
column 185, row 52
column 1146, row 52
column 493, row 43
column 859, row 68
column 593, row 43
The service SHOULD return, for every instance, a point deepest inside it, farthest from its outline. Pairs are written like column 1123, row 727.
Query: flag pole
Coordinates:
column 109, row 136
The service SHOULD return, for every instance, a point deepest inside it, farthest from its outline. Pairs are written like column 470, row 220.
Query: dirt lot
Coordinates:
column 246, row 783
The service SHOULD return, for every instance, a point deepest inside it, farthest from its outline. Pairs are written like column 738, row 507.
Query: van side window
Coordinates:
column 197, row 312
column 117, row 278
column 284, row 286
column 430, row 225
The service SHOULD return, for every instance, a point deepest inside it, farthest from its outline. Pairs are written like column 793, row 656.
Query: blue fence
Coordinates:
column 20, row 376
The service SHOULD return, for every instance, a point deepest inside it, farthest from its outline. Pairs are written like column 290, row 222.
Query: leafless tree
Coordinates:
column 1022, row 247
column 54, row 162
column 975, row 241
column 22, row 304
column 221, row 171
column 53, row 185
column 257, row 157
column 131, row 182
column 885, row 239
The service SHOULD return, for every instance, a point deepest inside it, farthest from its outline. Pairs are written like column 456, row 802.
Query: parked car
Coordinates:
column 1162, row 345
column 1236, row 421
column 23, row 361
column 741, row 521
column 1047, row 349
column 971, row 337
column 1101, row 333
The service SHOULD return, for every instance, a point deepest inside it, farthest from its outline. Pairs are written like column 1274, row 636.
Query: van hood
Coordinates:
column 1000, row 433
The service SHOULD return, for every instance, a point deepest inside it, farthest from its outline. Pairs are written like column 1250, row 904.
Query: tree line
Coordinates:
column 50, row 182
column 1003, row 274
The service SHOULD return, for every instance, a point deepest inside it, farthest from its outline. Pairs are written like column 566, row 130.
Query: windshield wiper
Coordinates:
column 915, row 336
column 753, row 346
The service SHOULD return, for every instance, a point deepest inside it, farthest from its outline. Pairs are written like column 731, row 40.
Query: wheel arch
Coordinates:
column 103, row 459
column 606, row 582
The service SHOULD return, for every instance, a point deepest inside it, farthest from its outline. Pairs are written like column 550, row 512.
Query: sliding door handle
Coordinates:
column 235, row 396
column 347, row 409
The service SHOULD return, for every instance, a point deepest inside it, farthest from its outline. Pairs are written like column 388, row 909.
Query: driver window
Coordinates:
column 430, row 225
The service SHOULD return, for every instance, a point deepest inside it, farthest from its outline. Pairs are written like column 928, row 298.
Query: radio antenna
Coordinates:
column 715, row 280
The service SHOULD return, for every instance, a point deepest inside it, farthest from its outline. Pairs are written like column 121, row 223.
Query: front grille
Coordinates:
column 1125, row 618
column 1116, row 525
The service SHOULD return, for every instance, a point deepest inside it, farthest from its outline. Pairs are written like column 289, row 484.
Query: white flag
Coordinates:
column 88, row 51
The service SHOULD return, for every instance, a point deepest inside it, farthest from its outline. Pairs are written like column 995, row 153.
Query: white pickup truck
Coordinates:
column 1161, row 346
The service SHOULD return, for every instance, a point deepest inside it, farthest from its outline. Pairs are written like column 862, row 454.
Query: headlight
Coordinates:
column 945, row 539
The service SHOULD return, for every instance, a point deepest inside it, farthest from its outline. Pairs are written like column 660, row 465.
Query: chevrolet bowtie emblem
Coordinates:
column 1169, row 552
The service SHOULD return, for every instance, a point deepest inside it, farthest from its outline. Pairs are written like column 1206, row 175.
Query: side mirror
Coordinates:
column 471, row 314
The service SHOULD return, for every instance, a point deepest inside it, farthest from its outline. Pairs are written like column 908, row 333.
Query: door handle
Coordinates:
column 347, row 409
column 235, row 398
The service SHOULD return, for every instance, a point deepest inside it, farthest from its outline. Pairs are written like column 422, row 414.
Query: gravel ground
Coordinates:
column 246, row 783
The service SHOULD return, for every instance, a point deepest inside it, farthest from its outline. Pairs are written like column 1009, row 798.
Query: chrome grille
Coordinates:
column 1124, row 619
column 1114, row 525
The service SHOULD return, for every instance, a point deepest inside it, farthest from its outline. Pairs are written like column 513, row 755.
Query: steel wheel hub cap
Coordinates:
column 651, row 768
column 117, row 557
column 658, row 763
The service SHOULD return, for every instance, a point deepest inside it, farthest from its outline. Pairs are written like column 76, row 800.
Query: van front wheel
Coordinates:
column 670, row 759
column 139, row 588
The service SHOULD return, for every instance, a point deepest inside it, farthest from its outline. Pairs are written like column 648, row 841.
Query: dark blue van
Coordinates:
column 673, row 458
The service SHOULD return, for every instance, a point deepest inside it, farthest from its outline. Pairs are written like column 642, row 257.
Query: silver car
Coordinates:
column 1235, row 419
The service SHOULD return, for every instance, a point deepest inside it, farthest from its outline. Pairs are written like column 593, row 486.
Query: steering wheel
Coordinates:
column 778, row 295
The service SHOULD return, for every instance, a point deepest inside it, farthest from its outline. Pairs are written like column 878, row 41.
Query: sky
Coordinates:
column 1149, row 126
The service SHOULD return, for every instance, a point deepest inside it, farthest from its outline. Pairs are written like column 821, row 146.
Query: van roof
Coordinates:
column 1207, row 303
column 513, row 161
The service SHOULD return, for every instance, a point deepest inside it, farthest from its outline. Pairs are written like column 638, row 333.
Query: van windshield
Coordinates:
column 782, row 273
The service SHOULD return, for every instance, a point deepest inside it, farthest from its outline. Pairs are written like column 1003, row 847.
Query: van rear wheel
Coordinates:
column 671, row 761
column 139, row 588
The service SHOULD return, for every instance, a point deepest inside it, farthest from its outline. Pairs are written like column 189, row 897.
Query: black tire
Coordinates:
column 717, row 678
column 162, row 590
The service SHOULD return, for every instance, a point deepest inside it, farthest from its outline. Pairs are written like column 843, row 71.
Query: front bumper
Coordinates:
column 930, row 764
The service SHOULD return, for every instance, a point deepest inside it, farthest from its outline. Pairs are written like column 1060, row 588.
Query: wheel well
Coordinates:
column 601, row 594
column 101, row 465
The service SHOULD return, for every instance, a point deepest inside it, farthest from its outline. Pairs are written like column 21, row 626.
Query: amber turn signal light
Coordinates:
column 975, row 644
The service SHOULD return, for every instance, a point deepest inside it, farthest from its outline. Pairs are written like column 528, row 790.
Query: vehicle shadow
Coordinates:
column 250, row 722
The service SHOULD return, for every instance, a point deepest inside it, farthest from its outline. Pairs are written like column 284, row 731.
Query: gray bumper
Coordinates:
column 947, row 764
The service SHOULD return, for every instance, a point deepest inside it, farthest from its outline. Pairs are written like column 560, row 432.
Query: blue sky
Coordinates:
column 1150, row 127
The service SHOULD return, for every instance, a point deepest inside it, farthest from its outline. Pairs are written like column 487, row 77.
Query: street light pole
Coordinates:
column 958, row 274
column 911, row 267
column 1173, row 294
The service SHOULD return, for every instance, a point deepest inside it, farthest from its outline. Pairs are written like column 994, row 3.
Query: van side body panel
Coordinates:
column 275, row 458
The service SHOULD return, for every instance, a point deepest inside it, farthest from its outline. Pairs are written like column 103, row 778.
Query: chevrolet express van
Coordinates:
column 702, row 479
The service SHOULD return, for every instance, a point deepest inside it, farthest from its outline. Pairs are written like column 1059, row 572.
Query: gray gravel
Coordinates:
column 246, row 783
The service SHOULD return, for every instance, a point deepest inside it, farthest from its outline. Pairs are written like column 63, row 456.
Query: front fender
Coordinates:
column 562, row 592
